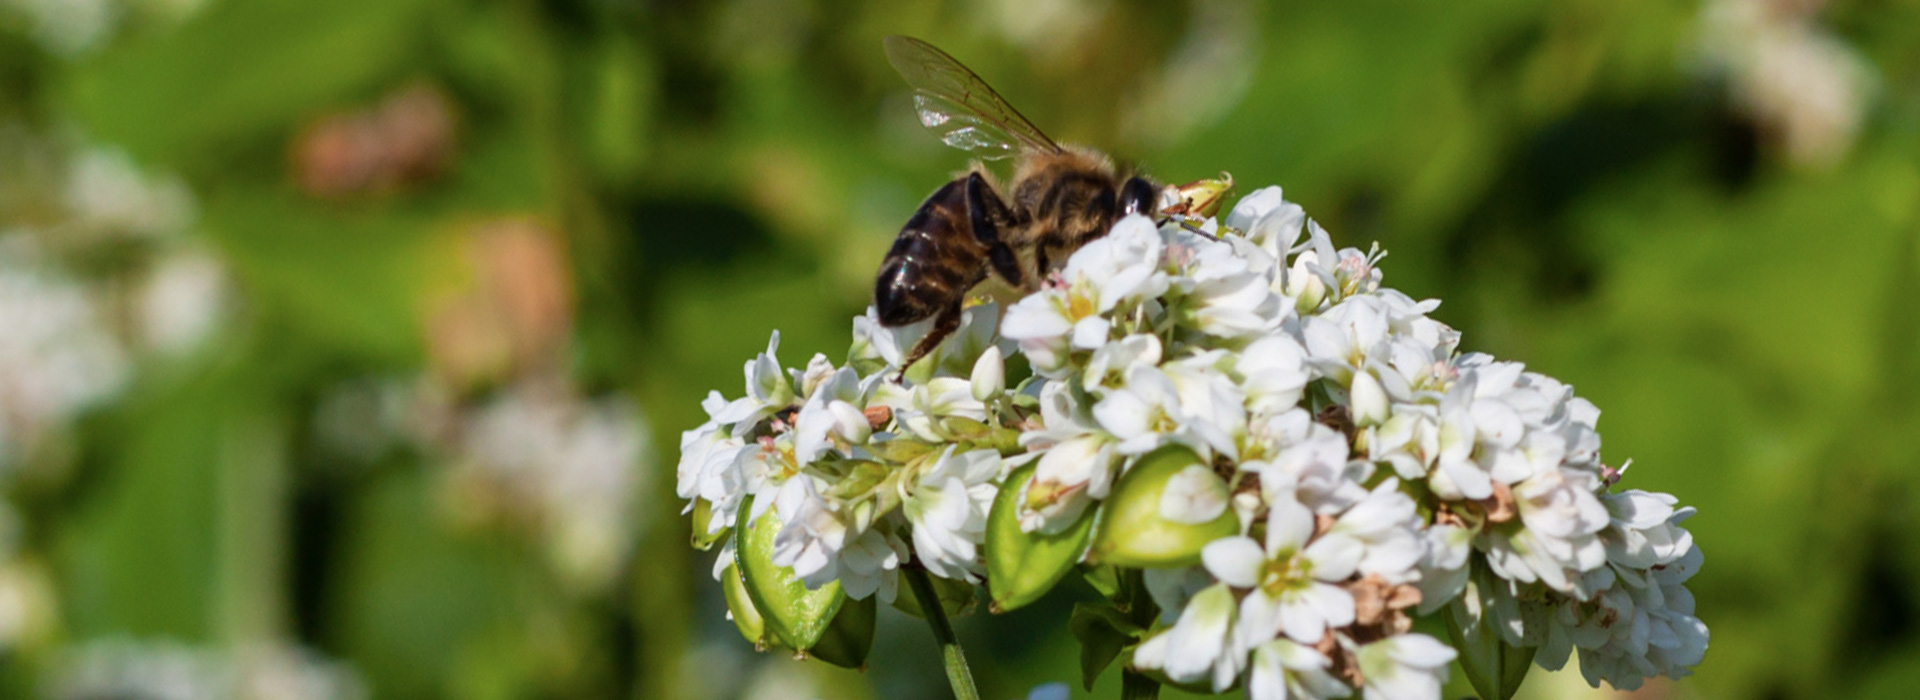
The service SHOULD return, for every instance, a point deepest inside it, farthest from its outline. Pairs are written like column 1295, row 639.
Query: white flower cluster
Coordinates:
column 1374, row 472
column 569, row 465
column 786, row 446
column 534, row 456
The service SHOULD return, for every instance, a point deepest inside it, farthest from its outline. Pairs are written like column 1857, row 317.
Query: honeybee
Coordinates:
column 1060, row 198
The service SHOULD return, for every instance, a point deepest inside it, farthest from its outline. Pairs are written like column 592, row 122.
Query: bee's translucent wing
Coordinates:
column 958, row 106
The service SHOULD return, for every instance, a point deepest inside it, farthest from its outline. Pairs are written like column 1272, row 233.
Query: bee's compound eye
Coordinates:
column 1136, row 197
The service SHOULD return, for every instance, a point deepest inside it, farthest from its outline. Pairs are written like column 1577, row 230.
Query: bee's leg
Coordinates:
column 944, row 324
column 986, row 214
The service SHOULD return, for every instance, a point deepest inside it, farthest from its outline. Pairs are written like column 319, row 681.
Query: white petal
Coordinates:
column 1234, row 560
column 1289, row 524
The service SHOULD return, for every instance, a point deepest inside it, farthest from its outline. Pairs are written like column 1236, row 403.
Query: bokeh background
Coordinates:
column 344, row 346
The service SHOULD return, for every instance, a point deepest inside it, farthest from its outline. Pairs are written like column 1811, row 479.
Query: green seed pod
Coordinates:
column 1132, row 531
column 745, row 617
column 1494, row 667
column 956, row 598
column 849, row 637
column 1023, row 566
column 795, row 617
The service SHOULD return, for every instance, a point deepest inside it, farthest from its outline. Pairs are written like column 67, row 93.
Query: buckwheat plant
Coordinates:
column 1273, row 470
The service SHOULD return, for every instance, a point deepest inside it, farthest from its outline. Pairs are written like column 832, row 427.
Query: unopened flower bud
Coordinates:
column 989, row 375
column 1370, row 405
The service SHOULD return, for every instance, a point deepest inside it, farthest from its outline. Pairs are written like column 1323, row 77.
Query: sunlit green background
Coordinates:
column 1706, row 218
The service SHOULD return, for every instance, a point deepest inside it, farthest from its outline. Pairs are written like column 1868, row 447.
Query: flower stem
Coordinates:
column 956, row 660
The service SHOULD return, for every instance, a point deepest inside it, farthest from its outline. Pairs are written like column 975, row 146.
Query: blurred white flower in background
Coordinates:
column 70, row 28
column 181, row 301
column 57, row 355
column 571, row 466
column 167, row 670
column 534, row 455
column 1803, row 84
column 109, row 196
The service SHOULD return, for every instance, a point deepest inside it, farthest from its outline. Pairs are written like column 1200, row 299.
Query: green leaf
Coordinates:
column 702, row 519
column 242, row 72
column 1131, row 531
column 956, row 598
column 1103, row 632
column 1023, row 566
column 965, row 429
column 850, row 636
column 858, row 478
column 795, row 617
column 1104, row 579
column 745, row 617
column 899, row 450
column 1494, row 667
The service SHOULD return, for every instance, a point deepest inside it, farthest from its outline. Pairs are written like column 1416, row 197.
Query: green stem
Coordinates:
column 956, row 660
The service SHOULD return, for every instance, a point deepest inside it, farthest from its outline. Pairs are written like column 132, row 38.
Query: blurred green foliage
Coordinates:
column 1583, row 191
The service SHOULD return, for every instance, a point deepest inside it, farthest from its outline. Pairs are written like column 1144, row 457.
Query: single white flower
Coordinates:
column 1309, row 281
column 948, row 509
column 1404, row 667
column 832, row 412
column 1309, row 463
column 1644, row 530
column 1221, row 295
column 1282, row 669
column 812, row 532
column 921, row 409
column 818, row 543
column 1292, row 580
column 1274, row 374
column 1212, row 407
column 1070, row 316
column 1343, row 338
column 1557, row 538
column 1108, row 367
column 1200, row 646
column 1145, row 413
column 1382, row 533
column 1067, row 479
